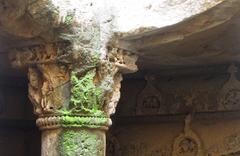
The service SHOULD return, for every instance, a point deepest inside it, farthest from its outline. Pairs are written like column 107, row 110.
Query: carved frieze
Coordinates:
column 205, row 92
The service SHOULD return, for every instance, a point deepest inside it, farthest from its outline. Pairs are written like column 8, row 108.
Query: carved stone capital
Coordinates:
column 71, row 88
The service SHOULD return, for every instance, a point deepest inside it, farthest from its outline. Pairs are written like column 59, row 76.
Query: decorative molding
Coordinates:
column 54, row 122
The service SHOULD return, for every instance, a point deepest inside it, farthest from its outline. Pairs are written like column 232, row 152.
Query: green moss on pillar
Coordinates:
column 86, row 97
column 81, row 143
column 77, row 121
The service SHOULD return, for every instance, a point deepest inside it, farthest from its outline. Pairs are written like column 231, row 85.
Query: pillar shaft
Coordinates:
column 73, row 142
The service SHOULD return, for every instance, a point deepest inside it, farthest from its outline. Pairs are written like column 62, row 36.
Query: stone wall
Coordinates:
column 180, row 112
column 217, row 137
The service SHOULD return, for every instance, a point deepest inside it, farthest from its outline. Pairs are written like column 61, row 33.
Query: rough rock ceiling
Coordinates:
column 208, row 38
column 215, row 46
column 211, row 37
column 7, row 42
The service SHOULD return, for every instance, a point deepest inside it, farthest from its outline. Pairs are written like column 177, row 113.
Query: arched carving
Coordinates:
column 188, row 143
column 229, row 98
column 149, row 101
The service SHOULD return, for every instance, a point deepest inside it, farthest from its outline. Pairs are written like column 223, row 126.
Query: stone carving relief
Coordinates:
column 48, row 88
column 149, row 101
column 67, row 82
column 207, row 92
column 188, row 143
column 229, row 146
column 229, row 98
column 49, row 81
column 124, row 63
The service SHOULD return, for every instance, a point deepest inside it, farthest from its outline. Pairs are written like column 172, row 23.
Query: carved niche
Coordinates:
column 229, row 98
column 149, row 101
column 188, row 143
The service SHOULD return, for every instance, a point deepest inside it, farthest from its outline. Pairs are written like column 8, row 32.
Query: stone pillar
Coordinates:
column 73, row 93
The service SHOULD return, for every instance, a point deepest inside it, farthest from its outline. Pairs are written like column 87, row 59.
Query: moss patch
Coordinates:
column 80, row 143
column 90, row 122
column 86, row 97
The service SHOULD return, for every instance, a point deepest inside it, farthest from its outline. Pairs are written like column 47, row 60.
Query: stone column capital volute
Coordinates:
column 73, row 89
